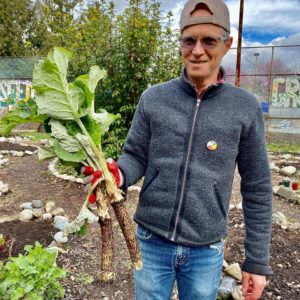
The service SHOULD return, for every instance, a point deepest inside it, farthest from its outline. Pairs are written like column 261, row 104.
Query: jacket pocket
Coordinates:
column 219, row 200
column 142, row 233
column 149, row 179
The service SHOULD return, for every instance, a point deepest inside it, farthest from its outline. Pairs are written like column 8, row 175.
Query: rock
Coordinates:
column 37, row 203
column 38, row 212
column 225, row 264
column 60, row 237
column 289, row 171
column 47, row 216
column 67, row 177
column 49, row 206
column 17, row 153
column 79, row 180
column 286, row 156
column 279, row 217
column 226, row 287
column 11, row 140
column 274, row 168
column 276, row 189
column 58, row 211
column 2, row 139
column 5, row 219
column 18, row 139
column 3, row 188
column 26, row 215
column 237, row 293
column 235, row 271
column 288, row 194
column 294, row 226
column 26, row 205
column 28, row 152
column 61, row 223
column 3, row 161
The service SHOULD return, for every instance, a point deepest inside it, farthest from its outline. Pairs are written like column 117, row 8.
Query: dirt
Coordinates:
column 28, row 179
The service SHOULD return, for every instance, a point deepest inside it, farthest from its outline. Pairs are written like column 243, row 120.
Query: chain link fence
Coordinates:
column 272, row 74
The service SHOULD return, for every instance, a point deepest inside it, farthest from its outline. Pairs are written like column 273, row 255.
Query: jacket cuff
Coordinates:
column 123, row 185
column 258, row 269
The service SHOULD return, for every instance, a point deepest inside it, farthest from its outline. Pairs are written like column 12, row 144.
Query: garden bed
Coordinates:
column 28, row 179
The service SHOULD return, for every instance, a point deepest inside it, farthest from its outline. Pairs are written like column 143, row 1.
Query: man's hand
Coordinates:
column 253, row 285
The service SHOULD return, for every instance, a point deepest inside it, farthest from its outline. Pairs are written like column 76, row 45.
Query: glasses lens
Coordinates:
column 188, row 42
column 209, row 42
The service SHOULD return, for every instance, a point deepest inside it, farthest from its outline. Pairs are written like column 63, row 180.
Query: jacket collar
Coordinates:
column 189, row 87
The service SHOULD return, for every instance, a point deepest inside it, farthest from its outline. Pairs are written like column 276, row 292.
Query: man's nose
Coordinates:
column 198, row 49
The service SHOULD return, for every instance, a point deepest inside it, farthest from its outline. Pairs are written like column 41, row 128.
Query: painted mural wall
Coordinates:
column 12, row 91
column 286, row 92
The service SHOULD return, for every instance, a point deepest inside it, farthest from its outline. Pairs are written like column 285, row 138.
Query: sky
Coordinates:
column 266, row 22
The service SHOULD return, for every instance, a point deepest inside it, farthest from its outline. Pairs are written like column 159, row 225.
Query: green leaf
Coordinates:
column 88, row 83
column 85, row 216
column 83, row 230
column 68, row 156
column 85, row 143
column 105, row 119
column 54, row 96
column 46, row 153
column 93, row 128
column 22, row 113
column 67, row 142
column 72, row 128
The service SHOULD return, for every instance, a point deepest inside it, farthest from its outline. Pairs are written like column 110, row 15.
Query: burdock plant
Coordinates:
column 76, row 137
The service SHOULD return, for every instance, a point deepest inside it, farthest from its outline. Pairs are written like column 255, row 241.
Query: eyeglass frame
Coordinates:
column 203, row 45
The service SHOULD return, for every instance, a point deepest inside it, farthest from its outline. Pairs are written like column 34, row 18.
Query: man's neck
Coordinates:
column 202, row 84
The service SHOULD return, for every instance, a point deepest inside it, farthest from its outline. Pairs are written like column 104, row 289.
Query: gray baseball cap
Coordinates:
column 220, row 14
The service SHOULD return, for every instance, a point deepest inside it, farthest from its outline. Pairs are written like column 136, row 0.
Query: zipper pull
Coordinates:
column 198, row 102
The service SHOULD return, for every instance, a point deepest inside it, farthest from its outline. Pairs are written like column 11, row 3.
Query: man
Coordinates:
column 187, row 137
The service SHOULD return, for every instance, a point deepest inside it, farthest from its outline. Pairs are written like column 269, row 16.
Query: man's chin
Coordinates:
column 196, row 75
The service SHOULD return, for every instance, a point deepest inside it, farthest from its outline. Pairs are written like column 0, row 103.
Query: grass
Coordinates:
column 284, row 148
column 34, row 136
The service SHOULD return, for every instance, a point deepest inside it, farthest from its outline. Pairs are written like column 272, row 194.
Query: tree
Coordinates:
column 14, row 27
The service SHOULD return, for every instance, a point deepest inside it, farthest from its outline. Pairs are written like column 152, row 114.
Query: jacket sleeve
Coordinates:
column 134, row 160
column 256, row 190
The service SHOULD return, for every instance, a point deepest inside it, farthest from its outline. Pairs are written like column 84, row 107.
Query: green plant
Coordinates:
column 65, row 169
column 24, row 112
column 284, row 148
column 76, row 133
column 35, row 136
column 34, row 276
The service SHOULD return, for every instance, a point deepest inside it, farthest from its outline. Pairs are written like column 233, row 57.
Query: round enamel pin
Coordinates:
column 212, row 146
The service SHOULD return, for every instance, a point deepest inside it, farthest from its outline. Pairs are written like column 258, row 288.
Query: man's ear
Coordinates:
column 228, row 44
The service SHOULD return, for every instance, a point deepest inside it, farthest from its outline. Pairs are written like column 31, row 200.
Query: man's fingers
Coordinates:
column 246, row 283
column 253, row 286
column 257, row 290
column 87, row 187
column 88, row 179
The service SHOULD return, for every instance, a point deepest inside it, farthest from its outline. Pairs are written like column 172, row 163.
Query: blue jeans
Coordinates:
column 197, row 270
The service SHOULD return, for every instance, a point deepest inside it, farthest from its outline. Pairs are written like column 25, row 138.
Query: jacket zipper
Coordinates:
column 186, row 167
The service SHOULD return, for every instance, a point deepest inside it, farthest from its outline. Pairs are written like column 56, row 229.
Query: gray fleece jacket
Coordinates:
column 187, row 186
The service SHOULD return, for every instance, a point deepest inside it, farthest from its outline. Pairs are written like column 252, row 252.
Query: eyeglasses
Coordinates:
column 207, row 43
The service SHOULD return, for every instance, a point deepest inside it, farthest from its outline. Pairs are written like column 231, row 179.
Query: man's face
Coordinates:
column 203, row 61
